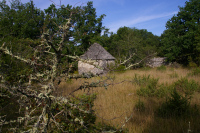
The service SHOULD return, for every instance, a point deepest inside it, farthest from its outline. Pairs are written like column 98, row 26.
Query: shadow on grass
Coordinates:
column 151, row 122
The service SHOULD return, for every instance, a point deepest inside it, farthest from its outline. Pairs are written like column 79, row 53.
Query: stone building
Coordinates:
column 96, row 53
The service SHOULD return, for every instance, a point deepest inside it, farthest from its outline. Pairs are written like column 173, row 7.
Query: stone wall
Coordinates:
column 86, row 68
column 156, row 62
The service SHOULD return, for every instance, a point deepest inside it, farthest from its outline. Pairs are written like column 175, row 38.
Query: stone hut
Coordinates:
column 96, row 53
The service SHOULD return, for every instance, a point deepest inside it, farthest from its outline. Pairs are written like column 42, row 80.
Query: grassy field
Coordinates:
column 136, row 103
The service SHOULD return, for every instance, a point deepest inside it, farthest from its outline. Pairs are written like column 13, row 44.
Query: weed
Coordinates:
column 145, row 68
column 162, row 68
column 144, row 80
column 195, row 72
column 173, row 75
column 139, row 106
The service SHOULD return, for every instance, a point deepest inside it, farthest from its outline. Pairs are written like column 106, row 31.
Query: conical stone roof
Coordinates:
column 97, row 52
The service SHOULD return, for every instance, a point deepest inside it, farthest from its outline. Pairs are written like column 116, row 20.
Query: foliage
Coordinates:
column 144, row 80
column 175, row 106
column 139, row 106
column 130, row 42
column 195, row 72
column 34, row 84
column 87, row 27
column 174, row 75
column 20, row 20
column 162, row 68
column 180, row 41
column 146, row 68
column 120, row 68
column 26, row 21
column 188, row 87
column 149, row 86
column 178, row 103
column 76, row 117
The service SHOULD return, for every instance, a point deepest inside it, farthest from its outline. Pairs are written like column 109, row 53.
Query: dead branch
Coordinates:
column 135, row 64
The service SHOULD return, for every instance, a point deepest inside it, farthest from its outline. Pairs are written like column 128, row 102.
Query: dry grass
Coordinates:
column 118, row 101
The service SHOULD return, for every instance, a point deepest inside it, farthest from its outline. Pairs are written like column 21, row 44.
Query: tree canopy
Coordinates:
column 131, row 42
column 181, row 41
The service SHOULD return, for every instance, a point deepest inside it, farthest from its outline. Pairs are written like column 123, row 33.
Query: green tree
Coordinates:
column 20, row 20
column 34, row 93
column 131, row 41
column 180, row 41
column 87, row 26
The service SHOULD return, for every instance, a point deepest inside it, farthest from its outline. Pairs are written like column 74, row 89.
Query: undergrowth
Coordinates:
column 149, row 87
column 162, row 68
column 195, row 72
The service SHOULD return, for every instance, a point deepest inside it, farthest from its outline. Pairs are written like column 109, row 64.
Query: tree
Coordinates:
column 20, row 20
column 180, row 40
column 87, row 26
column 33, row 94
column 132, row 42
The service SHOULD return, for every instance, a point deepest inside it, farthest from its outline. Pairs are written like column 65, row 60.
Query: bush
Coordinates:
column 175, row 106
column 188, row 87
column 162, row 91
column 195, row 72
column 120, row 68
column 149, row 86
column 191, row 63
column 139, row 106
column 144, row 80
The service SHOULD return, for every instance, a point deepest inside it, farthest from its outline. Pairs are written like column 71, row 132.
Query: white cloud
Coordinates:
column 131, row 22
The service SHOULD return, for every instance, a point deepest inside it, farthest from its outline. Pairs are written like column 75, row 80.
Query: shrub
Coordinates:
column 195, row 72
column 188, row 87
column 144, row 80
column 175, row 106
column 162, row 91
column 149, row 87
column 191, row 63
column 139, row 106
column 120, row 68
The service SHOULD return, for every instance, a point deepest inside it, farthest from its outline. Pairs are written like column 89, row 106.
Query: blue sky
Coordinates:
column 142, row 14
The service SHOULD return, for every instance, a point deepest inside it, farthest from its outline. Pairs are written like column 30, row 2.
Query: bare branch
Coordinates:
column 126, row 60
column 135, row 64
